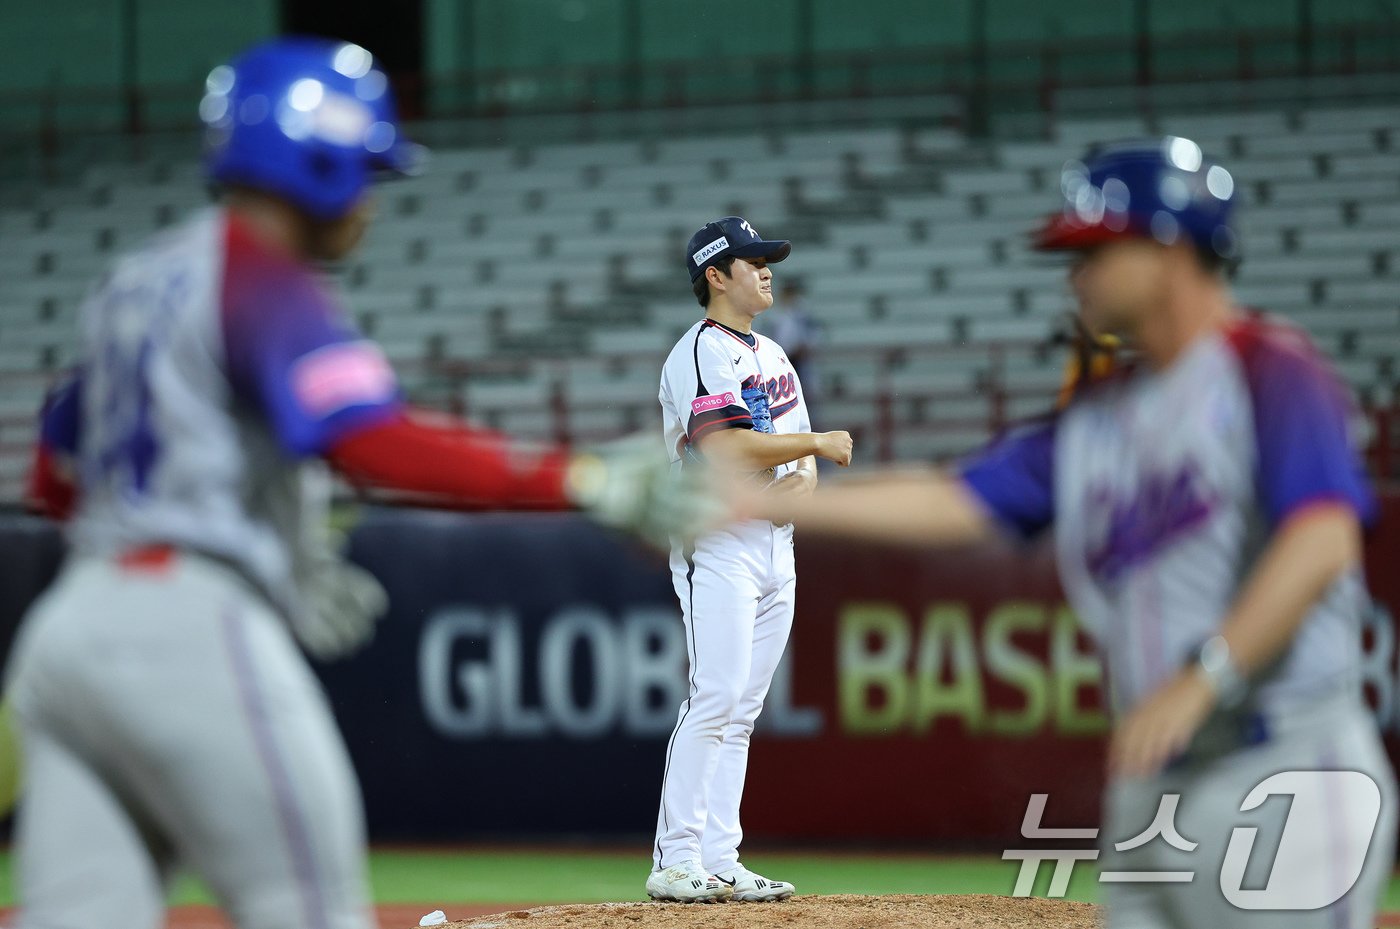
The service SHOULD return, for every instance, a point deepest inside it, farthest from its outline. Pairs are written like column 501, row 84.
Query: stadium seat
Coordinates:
column 911, row 239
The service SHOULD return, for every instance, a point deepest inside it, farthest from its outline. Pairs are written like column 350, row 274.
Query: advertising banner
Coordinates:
column 531, row 669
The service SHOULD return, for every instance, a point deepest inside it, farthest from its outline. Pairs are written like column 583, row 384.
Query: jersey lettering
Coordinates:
column 1163, row 509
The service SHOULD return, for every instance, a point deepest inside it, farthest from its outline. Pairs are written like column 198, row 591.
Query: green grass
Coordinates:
column 504, row 876
column 496, row 876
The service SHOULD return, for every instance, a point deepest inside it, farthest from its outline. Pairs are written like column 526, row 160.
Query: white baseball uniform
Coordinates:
column 167, row 716
column 1163, row 488
column 736, row 587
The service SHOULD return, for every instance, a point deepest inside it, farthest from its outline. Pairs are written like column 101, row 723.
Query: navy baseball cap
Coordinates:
column 731, row 235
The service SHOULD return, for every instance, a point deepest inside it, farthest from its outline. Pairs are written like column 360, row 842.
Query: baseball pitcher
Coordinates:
column 731, row 402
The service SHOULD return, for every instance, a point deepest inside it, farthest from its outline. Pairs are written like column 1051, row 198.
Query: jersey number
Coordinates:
column 131, row 324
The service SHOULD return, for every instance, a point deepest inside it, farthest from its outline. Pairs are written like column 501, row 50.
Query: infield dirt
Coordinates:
column 964, row 911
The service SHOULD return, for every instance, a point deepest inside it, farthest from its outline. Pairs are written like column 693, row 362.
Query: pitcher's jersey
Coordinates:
column 212, row 368
column 717, row 378
column 1164, row 487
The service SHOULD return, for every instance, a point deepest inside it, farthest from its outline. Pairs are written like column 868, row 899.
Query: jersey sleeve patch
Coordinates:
column 718, row 401
column 1015, row 478
column 712, row 402
column 1303, row 415
column 342, row 375
column 293, row 355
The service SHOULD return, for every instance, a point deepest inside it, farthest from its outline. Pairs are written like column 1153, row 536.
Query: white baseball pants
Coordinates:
column 737, row 592
column 167, row 718
column 1329, row 735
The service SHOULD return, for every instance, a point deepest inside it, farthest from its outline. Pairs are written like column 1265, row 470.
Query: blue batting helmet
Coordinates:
column 310, row 120
column 1161, row 189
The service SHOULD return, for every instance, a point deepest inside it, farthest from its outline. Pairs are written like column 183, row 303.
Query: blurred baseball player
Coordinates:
column 166, row 715
column 1207, row 504
column 730, row 399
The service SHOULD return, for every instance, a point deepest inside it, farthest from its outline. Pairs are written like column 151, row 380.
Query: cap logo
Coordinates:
column 749, row 229
column 710, row 251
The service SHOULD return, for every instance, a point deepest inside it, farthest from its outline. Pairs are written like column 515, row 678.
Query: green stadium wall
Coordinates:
column 646, row 50
column 89, row 50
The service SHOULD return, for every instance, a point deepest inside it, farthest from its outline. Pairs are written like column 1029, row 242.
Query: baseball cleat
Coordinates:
column 749, row 887
column 687, row 883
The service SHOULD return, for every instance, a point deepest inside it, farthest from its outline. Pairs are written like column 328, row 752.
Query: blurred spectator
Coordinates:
column 793, row 327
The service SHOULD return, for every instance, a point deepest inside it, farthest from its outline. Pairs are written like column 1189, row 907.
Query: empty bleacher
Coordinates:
column 537, row 288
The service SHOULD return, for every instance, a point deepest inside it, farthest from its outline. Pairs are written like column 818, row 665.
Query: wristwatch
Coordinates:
column 1214, row 661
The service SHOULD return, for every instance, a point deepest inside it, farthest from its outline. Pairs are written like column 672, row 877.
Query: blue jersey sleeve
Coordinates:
column 61, row 418
column 1014, row 478
column 291, row 353
column 1302, row 426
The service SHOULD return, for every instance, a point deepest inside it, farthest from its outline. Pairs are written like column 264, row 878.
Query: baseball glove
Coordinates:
column 340, row 602
column 631, row 485
column 343, row 603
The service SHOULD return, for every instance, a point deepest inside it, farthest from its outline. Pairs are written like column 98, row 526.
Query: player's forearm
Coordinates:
column 450, row 464
column 747, row 450
column 908, row 507
column 1307, row 554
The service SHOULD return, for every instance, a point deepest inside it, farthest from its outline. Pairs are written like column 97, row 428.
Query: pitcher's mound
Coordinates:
column 971, row 911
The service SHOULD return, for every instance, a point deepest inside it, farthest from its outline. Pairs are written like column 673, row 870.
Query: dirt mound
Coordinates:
column 970, row 911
